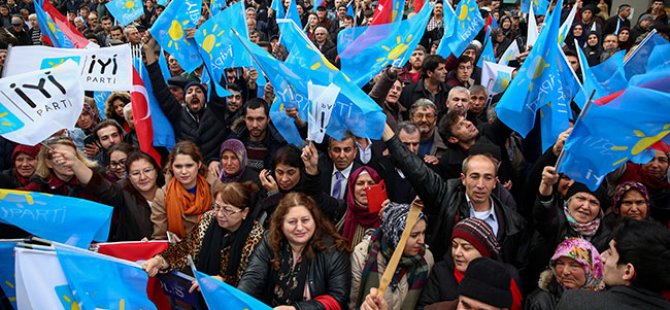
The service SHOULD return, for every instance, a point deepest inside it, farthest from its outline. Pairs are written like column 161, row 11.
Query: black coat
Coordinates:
column 326, row 168
column 552, row 225
column 273, row 141
column 133, row 211
column 445, row 205
column 415, row 91
column 207, row 129
column 328, row 273
column 619, row 297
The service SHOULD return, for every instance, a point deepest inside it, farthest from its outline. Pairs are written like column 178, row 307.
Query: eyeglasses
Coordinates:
column 428, row 116
column 136, row 173
column 119, row 163
column 227, row 210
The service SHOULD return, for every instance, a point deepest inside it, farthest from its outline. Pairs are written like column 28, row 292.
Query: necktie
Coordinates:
column 337, row 188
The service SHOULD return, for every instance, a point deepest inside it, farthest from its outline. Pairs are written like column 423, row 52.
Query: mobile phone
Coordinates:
column 376, row 196
column 90, row 139
column 268, row 175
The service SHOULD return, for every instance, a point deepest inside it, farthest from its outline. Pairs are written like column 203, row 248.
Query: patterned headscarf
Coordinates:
column 237, row 147
column 586, row 255
column 88, row 110
column 393, row 222
column 624, row 188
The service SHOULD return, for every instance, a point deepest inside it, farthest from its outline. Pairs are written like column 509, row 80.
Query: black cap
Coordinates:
column 487, row 281
column 600, row 193
column 178, row 81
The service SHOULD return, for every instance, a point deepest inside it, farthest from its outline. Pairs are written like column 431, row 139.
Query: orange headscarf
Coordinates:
column 179, row 201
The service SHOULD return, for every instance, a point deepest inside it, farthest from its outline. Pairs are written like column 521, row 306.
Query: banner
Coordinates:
column 103, row 69
column 7, row 278
column 36, row 104
column 59, row 218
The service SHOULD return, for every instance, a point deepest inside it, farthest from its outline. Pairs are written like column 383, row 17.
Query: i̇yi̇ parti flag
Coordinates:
column 605, row 79
column 466, row 24
column 63, row 219
column 169, row 30
column 217, row 293
column 536, row 83
column 40, row 282
column 57, row 28
column 125, row 11
column 609, row 135
column 380, row 45
column 37, row 104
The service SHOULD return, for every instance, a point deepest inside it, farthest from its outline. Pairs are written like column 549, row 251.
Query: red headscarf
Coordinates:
column 356, row 214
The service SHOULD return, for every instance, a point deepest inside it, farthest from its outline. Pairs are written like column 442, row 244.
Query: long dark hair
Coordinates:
column 323, row 234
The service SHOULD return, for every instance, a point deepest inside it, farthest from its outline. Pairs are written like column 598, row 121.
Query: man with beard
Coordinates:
column 412, row 71
column 198, row 121
column 423, row 114
column 260, row 138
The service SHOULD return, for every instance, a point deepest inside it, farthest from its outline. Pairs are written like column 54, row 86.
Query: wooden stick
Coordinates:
column 412, row 218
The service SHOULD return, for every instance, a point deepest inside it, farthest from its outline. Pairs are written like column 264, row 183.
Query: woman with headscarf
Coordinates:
column 358, row 220
column 631, row 199
column 370, row 258
column 593, row 49
column 234, row 163
column 578, row 33
column 471, row 238
column 88, row 119
column 575, row 265
column 624, row 39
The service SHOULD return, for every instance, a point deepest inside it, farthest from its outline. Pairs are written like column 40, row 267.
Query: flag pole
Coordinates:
column 581, row 116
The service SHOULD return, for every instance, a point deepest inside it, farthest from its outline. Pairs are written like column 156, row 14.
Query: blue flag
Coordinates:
column 63, row 219
column 100, row 98
column 539, row 6
column 380, row 45
column 216, row 6
column 351, row 104
column 660, row 57
column 165, row 69
column 463, row 28
column 317, row 3
column 7, row 279
column 103, row 282
column 638, row 61
column 350, row 10
column 163, row 131
column 292, row 13
column 169, row 31
column 606, row 78
column 49, row 28
column 487, row 53
column 286, row 96
column 217, row 293
column 125, row 11
column 555, row 115
column 536, row 83
column 162, row 2
column 609, row 135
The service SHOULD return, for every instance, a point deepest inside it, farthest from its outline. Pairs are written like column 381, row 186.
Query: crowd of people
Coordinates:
column 298, row 227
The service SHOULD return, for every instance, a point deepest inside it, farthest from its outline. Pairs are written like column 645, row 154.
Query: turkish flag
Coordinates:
column 383, row 13
column 68, row 29
column 142, row 117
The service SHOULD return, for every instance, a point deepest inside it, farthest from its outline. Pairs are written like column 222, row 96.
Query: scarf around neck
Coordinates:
column 178, row 202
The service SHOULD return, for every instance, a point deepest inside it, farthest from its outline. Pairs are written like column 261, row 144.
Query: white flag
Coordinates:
column 567, row 25
column 40, row 282
column 496, row 77
column 322, row 100
column 533, row 33
column 510, row 54
column 35, row 105
column 102, row 69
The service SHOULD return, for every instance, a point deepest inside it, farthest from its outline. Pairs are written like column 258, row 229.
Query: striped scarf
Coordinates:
column 415, row 267
column 587, row 230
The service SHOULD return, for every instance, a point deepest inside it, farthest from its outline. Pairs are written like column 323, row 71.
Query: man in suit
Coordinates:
column 336, row 168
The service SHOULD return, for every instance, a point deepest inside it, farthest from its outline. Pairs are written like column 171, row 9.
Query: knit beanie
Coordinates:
column 479, row 234
column 25, row 149
column 600, row 193
column 201, row 86
column 487, row 281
